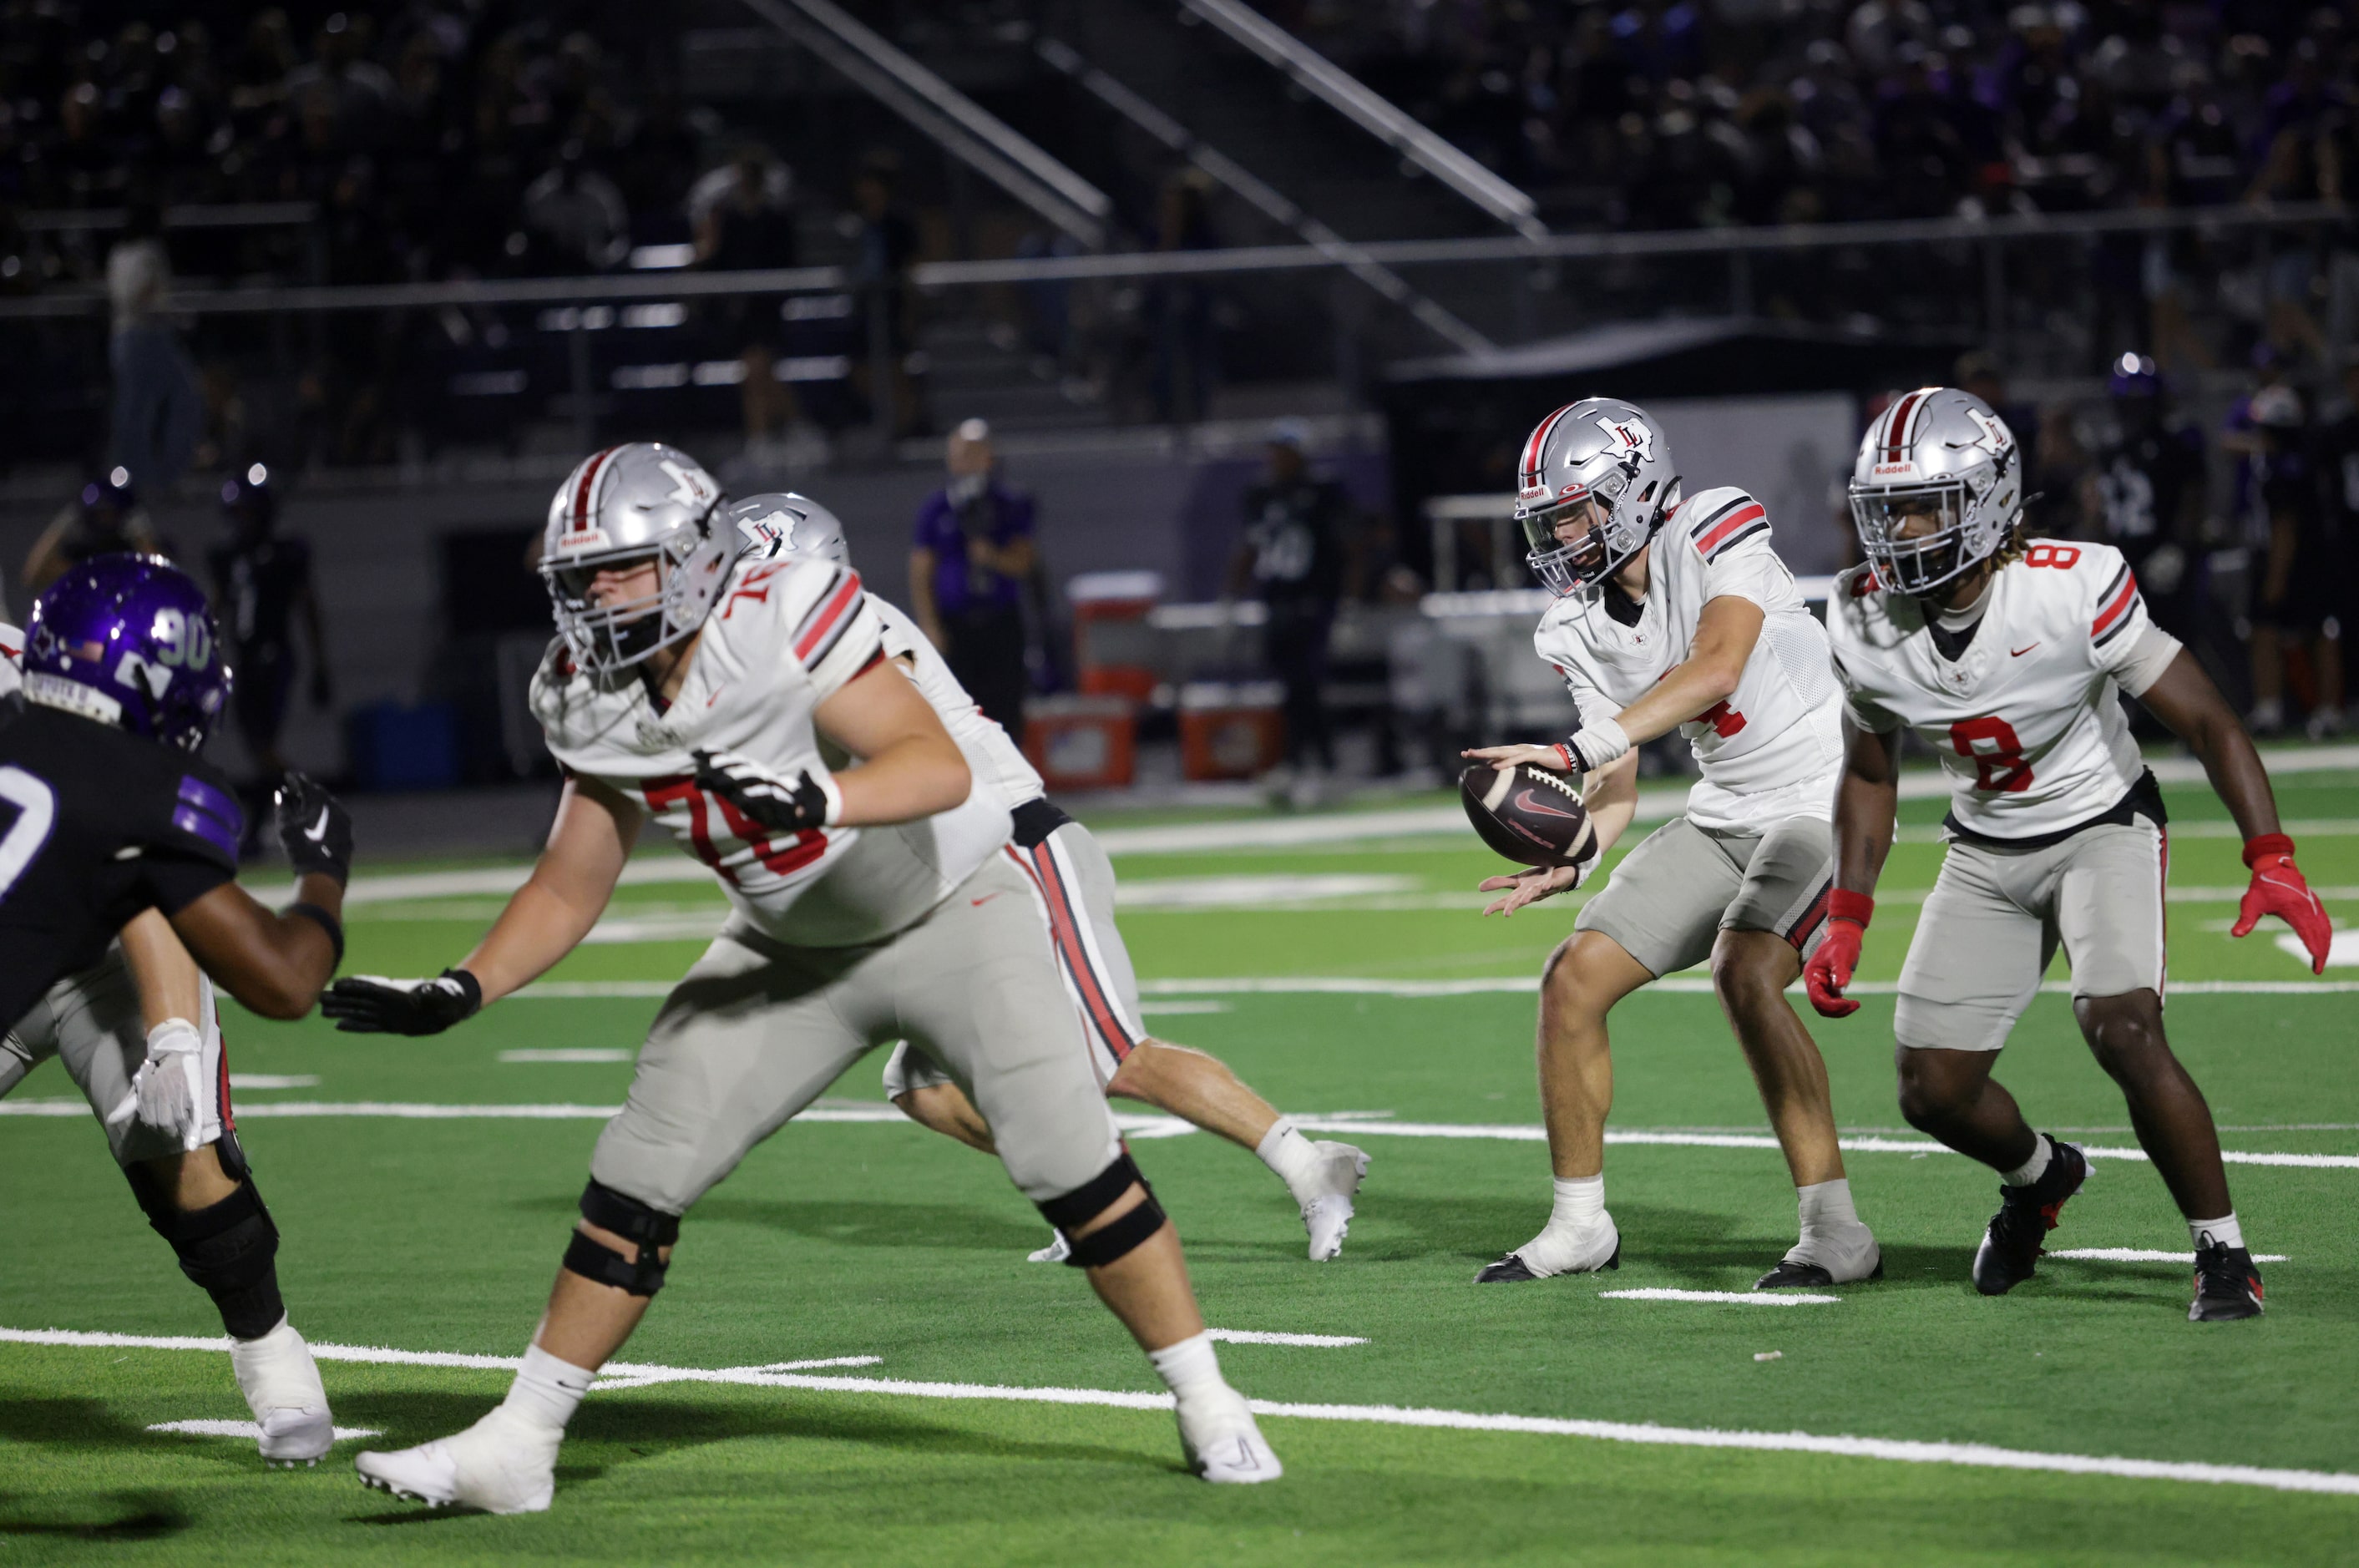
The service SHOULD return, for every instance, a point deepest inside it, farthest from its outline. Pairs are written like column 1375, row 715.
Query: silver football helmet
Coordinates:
column 783, row 523
column 1598, row 452
column 1942, row 454
column 622, row 507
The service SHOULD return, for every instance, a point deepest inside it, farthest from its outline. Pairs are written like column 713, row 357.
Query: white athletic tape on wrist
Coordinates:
column 827, row 786
column 1599, row 744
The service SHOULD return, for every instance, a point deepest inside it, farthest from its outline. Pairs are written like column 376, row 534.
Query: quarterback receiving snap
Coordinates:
column 1676, row 614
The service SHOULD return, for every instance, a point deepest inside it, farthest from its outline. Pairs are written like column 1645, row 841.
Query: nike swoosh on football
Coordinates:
column 1540, row 807
column 984, row 899
column 318, row 831
column 2020, row 652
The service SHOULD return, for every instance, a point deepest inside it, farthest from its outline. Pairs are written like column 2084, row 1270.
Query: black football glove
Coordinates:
column 314, row 827
column 779, row 805
column 371, row 1004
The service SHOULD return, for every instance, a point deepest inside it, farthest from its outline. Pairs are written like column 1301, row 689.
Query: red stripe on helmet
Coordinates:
column 1896, row 434
column 1529, row 468
column 581, row 490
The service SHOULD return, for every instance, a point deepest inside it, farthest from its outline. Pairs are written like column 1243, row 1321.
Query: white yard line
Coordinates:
column 1307, row 1341
column 1893, row 1449
column 2146, row 1255
column 251, row 1431
column 562, row 1054
column 1745, row 1297
column 1150, row 1126
column 1675, row 984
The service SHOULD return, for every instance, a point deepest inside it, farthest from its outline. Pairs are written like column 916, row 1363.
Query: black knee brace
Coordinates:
column 642, row 1275
column 230, row 1250
column 1116, row 1238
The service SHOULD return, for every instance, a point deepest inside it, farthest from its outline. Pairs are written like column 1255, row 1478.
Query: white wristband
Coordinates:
column 827, row 786
column 1599, row 744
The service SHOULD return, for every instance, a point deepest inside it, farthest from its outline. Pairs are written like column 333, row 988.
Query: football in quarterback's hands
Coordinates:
column 1531, row 815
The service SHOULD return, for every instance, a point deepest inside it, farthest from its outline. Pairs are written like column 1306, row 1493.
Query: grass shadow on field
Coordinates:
column 68, row 1423
column 136, row 1516
column 643, row 1427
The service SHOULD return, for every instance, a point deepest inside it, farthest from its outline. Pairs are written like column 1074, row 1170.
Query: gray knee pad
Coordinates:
column 1117, row 1238
column 649, row 1229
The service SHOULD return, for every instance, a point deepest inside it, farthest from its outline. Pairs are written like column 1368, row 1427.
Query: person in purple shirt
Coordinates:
column 970, row 560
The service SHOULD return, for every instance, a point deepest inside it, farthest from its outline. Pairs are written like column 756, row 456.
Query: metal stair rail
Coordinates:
column 1263, row 197
column 965, row 129
column 1372, row 112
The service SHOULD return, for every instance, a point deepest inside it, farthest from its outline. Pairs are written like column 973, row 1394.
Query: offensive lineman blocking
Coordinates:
column 1076, row 883
column 1678, row 615
column 2006, row 658
column 720, row 693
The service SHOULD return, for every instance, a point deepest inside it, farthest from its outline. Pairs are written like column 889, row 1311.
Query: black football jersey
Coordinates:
column 96, row 825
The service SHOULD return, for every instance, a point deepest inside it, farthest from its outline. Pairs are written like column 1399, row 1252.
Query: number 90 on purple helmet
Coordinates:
column 128, row 640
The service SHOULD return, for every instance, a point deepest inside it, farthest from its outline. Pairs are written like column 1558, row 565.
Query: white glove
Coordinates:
column 168, row 1091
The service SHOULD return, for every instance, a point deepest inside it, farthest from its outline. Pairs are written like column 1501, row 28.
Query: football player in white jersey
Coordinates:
column 727, row 697
column 1677, row 615
column 139, row 1037
column 1076, row 882
column 2006, row 656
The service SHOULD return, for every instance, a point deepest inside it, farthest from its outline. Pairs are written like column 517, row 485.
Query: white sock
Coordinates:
column 2222, row 1232
column 1579, row 1203
column 1287, row 1152
column 1190, row 1368
column 2033, row 1168
column 1826, row 1207
column 546, row 1391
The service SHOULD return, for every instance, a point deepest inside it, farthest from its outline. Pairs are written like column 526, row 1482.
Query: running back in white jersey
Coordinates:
column 989, row 750
column 1773, row 748
column 784, row 636
column 2025, row 721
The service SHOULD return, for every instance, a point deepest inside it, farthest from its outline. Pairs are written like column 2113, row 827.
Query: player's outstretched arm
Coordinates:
column 1867, row 798
column 2184, row 698
column 545, row 920
column 910, row 766
column 277, row 963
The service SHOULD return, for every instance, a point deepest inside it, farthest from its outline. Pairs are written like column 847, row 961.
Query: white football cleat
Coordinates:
column 1057, row 1251
column 1326, row 1193
column 1223, row 1444
column 502, row 1465
column 282, row 1388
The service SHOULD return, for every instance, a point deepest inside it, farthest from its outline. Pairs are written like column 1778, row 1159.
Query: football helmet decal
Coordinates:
column 622, row 507
column 1942, row 454
column 128, row 640
column 1604, row 458
column 783, row 523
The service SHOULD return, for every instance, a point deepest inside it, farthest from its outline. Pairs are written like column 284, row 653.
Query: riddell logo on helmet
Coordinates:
column 1885, row 469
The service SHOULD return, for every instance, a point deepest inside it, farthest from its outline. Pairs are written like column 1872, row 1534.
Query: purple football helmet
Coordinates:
column 129, row 641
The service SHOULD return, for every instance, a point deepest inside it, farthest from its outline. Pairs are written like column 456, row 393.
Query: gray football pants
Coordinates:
column 92, row 1023
column 757, row 1030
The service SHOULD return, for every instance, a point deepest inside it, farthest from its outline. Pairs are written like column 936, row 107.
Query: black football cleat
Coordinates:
column 1790, row 1274
column 2227, row 1286
column 1512, row 1269
column 2018, row 1232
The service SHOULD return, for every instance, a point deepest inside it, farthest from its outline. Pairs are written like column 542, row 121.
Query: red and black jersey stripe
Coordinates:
column 1813, row 917
column 2114, row 606
column 829, row 619
column 1099, row 1007
column 1729, row 525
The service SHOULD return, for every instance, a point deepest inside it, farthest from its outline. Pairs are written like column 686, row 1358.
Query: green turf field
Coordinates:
column 1548, row 1422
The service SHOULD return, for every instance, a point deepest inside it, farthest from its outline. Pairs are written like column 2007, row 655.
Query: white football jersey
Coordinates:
column 1772, row 750
column 2025, row 721
column 12, row 658
column 784, row 636
column 989, row 750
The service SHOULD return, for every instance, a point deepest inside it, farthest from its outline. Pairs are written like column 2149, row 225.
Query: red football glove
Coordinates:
column 1831, row 967
column 2278, row 888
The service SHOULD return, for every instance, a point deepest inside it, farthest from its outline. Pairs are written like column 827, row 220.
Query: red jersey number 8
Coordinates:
column 2060, row 556
column 1999, row 766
